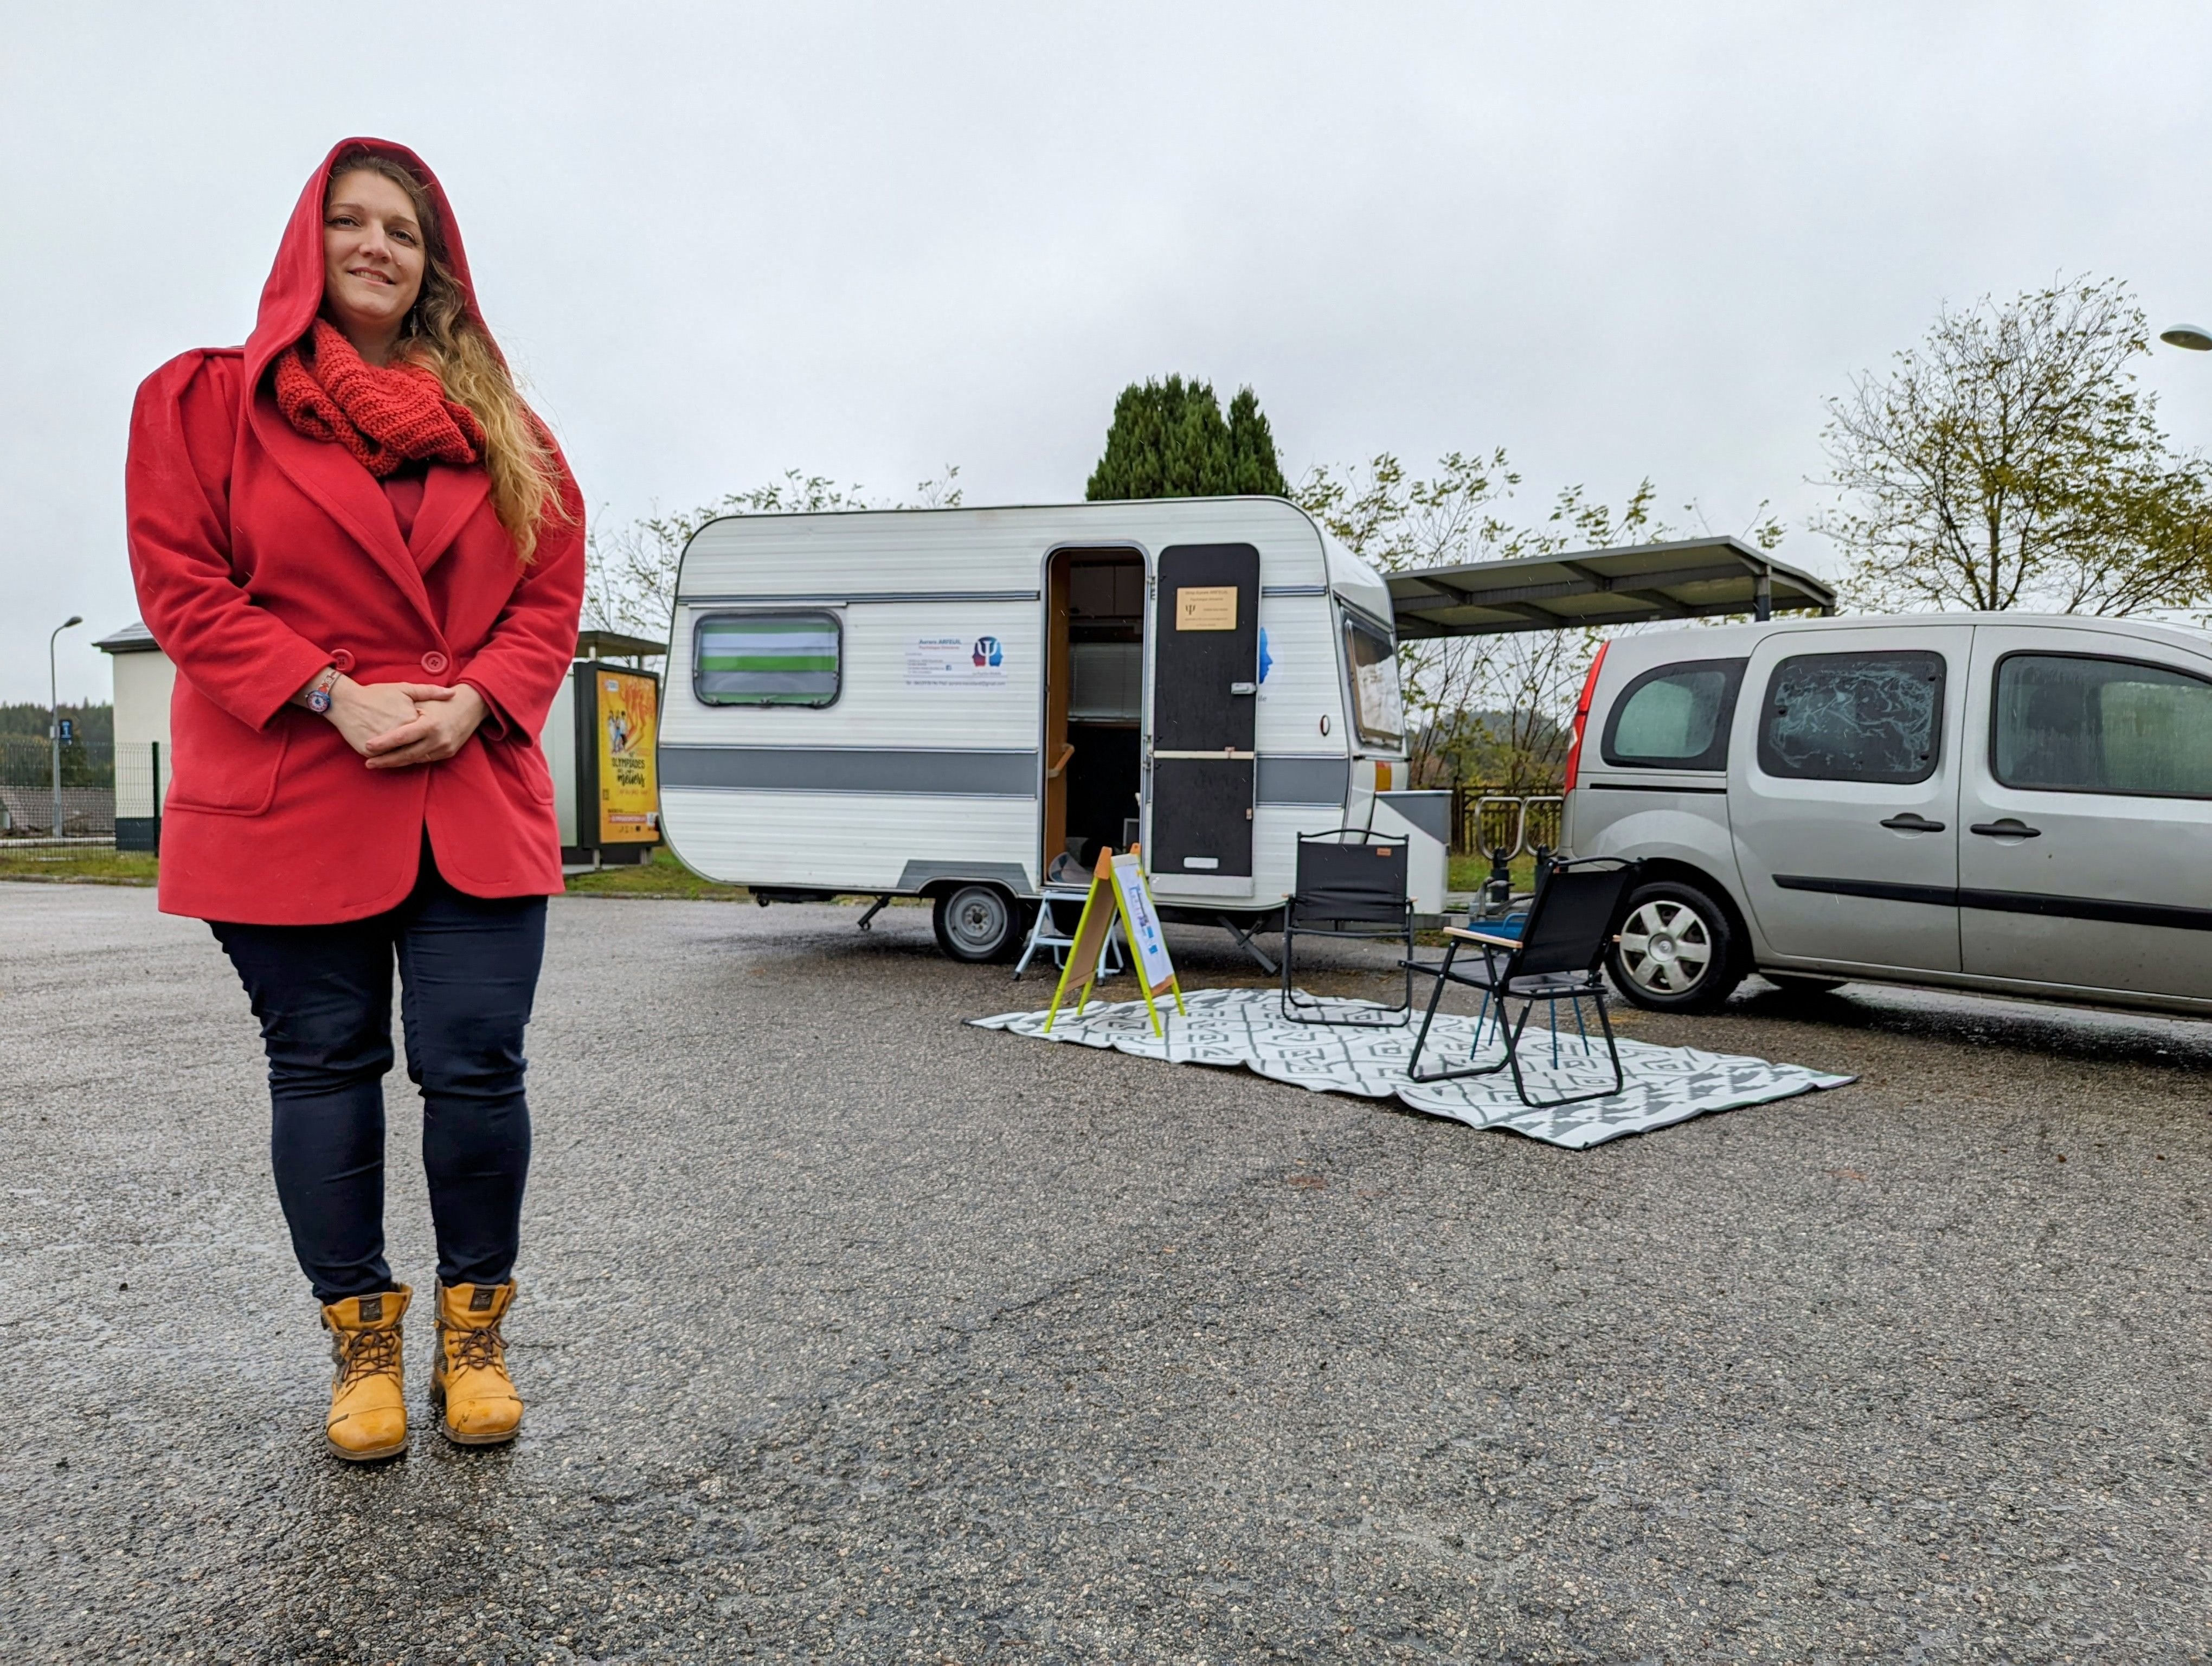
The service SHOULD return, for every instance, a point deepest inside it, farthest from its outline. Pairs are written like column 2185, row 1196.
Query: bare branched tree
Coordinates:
column 2010, row 460
column 1492, row 709
column 629, row 581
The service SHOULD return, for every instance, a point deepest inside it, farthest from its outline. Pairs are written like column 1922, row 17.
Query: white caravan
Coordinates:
column 938, row 702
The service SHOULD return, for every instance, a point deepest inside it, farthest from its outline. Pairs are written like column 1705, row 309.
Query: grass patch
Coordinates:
column 661, row 876
column 1470, row 872
column 91, row 865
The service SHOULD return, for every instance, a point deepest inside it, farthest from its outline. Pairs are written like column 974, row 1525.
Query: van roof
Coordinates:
column 1653, row 647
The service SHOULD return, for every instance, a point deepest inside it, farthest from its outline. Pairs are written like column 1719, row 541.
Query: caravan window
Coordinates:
column 1372, row 662
column 766, row 658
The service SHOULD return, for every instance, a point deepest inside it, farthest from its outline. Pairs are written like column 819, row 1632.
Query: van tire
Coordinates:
column 977, row 924
column 1677, row 950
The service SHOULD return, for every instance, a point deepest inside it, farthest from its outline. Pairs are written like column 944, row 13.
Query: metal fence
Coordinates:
column 1487, row 821
column 107, row 793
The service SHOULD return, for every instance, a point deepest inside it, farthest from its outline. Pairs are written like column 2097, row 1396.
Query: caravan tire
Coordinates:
column 977, row 924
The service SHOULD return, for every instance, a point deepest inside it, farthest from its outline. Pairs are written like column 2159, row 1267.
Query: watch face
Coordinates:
column 319, row 701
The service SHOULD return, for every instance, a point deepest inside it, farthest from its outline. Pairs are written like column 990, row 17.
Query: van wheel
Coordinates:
column 976, row 923
column 1676, row 952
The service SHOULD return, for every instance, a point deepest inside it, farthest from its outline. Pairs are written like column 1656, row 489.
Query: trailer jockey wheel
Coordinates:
column 977, row 923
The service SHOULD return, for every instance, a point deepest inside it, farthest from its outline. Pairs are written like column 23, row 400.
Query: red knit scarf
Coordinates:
column 386, row 417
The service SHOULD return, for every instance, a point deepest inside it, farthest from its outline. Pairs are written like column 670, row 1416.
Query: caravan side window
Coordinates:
column 1376, row 710
column 766, row 658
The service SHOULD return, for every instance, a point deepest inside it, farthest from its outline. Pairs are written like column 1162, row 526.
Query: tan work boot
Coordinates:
column 368, row 1399
column 469, row 1383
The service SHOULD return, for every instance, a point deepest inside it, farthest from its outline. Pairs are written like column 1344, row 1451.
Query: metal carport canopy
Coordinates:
column 1692, row 579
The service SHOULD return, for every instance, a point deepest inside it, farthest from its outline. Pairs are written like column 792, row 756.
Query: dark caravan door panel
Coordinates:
column 1206, row 677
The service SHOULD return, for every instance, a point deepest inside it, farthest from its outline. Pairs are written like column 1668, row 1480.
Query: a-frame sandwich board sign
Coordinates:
column 1118, row 888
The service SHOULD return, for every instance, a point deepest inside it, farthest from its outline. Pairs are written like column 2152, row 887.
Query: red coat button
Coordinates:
column 434, row 663
column 340, row 660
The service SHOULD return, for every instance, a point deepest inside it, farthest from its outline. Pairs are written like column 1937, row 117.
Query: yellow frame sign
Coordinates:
column 1109, row 899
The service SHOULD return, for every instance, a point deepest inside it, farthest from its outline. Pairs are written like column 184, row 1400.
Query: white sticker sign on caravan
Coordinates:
column 955, row 662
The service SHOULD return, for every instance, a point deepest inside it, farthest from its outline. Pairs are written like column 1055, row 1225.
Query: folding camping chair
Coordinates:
column 1350, row 883
column 1045, row 932
column 1557, row 956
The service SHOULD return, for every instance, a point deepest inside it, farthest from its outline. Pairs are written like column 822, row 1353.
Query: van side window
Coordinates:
column 1853, row 717
column 1676, row 717
column 766, row 658
column 2071, row 723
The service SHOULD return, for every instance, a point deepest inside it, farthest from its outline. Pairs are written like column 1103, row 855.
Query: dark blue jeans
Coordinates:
column 468, row 972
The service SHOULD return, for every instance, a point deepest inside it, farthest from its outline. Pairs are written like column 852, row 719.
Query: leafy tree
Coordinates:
column 629, row 572
column 2010, row 460
column 1168, row 439
column 1490, row 709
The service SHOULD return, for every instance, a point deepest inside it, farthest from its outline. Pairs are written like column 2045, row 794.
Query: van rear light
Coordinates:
column 1582, row 717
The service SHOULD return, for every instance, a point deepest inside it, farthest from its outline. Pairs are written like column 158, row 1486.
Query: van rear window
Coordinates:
column 766, row 658
column 1676, row 717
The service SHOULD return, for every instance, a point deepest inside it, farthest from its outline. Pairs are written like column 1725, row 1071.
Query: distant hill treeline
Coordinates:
column 91, row 722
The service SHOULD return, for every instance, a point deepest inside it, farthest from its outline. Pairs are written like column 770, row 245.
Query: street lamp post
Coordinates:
column 54, row 714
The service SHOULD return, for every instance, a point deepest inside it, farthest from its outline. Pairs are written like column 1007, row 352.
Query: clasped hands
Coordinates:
column 396, row 725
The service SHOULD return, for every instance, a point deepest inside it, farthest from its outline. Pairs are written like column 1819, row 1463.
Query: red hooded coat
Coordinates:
column 261, row 556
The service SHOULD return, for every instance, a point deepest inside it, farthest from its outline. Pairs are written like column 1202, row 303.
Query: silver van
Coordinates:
column 2008, row 803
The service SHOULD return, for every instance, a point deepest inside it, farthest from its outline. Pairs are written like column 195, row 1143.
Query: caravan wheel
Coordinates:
column 976, row 923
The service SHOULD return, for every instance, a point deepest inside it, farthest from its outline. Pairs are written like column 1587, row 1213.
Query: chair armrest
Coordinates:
column 1483, row 938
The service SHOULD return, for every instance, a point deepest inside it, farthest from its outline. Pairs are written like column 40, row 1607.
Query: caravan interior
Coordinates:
column 1094, row 702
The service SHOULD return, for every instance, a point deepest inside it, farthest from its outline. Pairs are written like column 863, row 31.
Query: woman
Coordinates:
column 365, row 555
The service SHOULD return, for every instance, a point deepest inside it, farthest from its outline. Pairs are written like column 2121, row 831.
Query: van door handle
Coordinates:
column 1913, row 822
column 1244, row 687
column 2010, row 828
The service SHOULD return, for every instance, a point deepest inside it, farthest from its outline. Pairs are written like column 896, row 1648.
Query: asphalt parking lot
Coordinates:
column 854, row 1333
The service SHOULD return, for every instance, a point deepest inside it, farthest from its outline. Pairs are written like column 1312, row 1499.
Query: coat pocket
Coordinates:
column 220, row 766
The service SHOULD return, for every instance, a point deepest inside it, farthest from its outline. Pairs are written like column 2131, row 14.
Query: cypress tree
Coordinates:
column 1168, row 440
column 1252, row 465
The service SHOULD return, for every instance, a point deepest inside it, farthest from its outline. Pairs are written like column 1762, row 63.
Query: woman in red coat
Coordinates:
column 365, row 555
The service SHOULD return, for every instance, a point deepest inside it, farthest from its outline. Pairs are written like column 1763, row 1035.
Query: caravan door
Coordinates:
column 1206, row 683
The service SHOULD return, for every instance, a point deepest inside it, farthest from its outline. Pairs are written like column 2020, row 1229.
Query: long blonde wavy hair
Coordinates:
column 440, row 336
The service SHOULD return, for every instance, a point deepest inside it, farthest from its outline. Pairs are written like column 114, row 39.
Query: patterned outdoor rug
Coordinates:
column 1245, row 1027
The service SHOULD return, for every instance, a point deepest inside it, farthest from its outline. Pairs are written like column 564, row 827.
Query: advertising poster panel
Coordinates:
column 629, row 792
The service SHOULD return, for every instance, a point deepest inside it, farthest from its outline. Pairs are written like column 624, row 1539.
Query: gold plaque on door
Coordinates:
column 1207, row 607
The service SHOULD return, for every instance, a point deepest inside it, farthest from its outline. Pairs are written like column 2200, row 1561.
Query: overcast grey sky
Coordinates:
column 869, row 239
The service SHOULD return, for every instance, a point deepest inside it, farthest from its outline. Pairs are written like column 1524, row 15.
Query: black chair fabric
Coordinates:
column 1363, row 881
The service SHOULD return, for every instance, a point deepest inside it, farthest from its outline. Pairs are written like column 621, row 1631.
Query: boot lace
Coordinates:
column 477, row 1350
column 368, row 1353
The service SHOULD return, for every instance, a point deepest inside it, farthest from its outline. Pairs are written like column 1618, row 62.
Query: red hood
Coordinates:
column 293, row 292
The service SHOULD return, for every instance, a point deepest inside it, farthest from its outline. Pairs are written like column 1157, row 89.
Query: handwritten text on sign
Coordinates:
column 1141, row 922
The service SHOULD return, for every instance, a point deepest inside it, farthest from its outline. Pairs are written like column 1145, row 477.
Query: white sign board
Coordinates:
column 955, row 662
column 1142, row 922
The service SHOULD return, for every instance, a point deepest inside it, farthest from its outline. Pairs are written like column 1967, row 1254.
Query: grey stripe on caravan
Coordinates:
column 845, row 596
column 1294, row 590
column 1010, row 774
column 1302, row 779
column 742, row 683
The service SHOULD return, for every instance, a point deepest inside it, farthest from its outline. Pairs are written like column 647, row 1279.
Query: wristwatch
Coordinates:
column 319, row 697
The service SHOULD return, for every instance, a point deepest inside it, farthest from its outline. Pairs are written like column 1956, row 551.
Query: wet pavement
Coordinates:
column 852, row 1334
